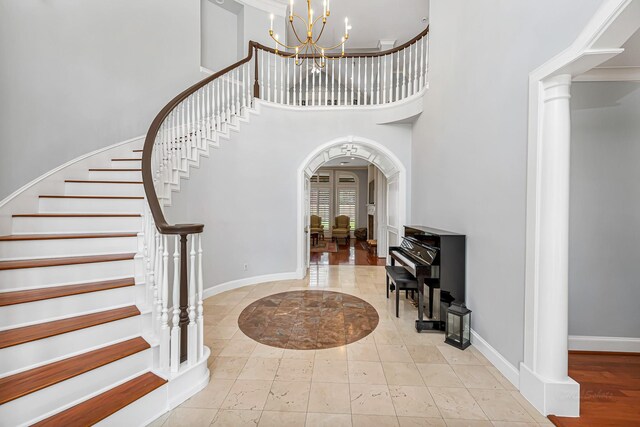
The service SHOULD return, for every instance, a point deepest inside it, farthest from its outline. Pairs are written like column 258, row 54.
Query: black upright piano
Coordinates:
column 436, row 258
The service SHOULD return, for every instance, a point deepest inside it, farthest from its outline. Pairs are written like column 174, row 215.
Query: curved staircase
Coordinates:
column 101, row 300
column 72, row 313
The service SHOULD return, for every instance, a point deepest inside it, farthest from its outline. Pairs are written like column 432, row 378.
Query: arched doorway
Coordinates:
column 392, row 215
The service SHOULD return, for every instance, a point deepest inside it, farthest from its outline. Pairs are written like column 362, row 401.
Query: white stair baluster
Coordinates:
column 300, row 84
column 373, row 99
column 275, row 78
column 410, row 75
column 353, row 80
column 426, row 65
column 339, row 80
column 288, row 88
column 200, row 318
column 306, row 96
column 269, row 76
column 403, row 92
column 175, row 301
column 364, row 97
column 313, row 84
column 264, row 95
column 422, row 59
column 333, row 81
column 282, row 60
column 415, row 68
column 384, row 84
column 359, row 88
column 397, row 77
column 295, row 98
column 164, row 327
column 192, row 328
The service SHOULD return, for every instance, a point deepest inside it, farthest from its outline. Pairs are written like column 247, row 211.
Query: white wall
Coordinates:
column 469, row 145
column 604, row 227
column 77, row 75
column 220, row 39
column 246, row 192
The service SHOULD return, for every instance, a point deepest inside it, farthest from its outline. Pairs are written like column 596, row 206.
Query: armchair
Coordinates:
column 341, row 229
column 316, row 226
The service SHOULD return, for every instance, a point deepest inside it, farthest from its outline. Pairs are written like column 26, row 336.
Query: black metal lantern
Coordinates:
column 458, row 330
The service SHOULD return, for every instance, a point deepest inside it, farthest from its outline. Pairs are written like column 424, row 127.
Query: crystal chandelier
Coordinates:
column 308, row 47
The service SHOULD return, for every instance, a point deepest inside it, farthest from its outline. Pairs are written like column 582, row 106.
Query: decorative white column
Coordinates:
column 546, row 383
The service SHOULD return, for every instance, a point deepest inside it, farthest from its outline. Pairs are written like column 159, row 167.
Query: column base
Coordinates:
column 561, row 398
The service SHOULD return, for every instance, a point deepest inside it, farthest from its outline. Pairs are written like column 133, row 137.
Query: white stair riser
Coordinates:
column 39, row 352
column 53, row 398
column 52, row 248
column 70, row 224
column 128, row 164
column 39, row 277
column 66, row 205
column 116, row 175
column 13, row 316
column 102, row 189
column 140, row 412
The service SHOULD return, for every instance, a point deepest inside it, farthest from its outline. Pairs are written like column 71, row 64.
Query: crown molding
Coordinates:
column 276, row 7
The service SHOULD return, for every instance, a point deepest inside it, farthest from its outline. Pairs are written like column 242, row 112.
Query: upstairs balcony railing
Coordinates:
column 196, row 118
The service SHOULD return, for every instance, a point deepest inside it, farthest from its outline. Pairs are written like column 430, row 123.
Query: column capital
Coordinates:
column 557, row 87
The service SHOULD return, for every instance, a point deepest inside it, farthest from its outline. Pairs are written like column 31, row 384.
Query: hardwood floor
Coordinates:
column 355, row 253
column 609, row 389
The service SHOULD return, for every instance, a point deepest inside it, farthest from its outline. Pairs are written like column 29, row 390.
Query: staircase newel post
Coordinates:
column 256, row 85
column 184, row 297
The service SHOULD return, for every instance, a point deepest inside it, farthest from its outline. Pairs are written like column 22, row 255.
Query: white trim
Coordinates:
column 616, row 344
column 270, row 6
column 247, row 281
column 509, row 371
column 610, row 74
column 63, row 166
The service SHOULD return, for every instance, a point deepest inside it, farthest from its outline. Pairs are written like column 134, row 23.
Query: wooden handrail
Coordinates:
column 350, row 55
column 147, row 174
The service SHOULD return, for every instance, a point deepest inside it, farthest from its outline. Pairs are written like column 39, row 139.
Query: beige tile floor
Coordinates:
column 393, row 377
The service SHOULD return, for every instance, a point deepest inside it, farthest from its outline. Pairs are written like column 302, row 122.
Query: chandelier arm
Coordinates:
column 324, row 23
column 284, row 45
column 293, row 27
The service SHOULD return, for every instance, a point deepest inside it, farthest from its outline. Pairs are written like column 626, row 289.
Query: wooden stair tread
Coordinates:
column 75, row 215
column 137, row 151
column 26, row 334
column 22, row 237
column 126, row 160
column 31, row 295
column 115, row 170
column 90, row 197
column 23, row 383
column 100, row 407
column 53, row 262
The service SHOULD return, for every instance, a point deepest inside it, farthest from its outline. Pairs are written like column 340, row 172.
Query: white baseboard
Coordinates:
column 616, row 344
column 507, row 369
column 247, row 281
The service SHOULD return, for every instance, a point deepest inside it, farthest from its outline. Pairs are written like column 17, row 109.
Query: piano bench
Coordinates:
column 403, row 281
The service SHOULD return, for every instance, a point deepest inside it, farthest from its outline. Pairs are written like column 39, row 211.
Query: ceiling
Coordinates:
column 351, row 162
column 631, row 55
column 371, row 21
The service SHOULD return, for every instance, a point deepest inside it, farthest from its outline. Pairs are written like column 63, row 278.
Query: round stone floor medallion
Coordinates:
column 308, row 320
